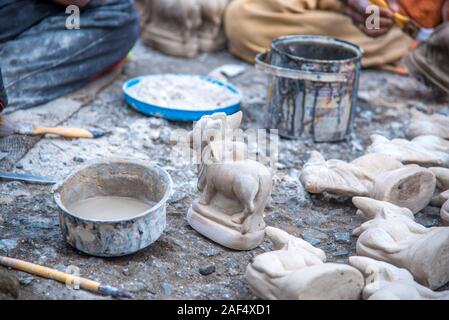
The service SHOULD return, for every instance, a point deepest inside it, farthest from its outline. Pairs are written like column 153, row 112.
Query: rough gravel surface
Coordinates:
column 182, row 263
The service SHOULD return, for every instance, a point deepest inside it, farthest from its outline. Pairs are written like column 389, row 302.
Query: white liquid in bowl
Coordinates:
column 108, row 208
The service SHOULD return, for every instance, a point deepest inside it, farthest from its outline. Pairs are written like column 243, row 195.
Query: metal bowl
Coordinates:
column 121, row 178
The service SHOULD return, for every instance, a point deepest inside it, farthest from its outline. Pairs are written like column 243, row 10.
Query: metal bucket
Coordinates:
column 313, row 86
column 114, row 177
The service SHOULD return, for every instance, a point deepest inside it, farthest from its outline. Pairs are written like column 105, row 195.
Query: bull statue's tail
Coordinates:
column 255, row 220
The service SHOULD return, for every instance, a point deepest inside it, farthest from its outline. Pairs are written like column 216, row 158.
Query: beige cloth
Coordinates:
column 251, row 25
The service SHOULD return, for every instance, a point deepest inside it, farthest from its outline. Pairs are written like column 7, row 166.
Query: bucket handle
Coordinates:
column 263, row 65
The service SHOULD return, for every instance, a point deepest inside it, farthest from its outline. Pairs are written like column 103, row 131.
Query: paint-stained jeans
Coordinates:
column 41, row 59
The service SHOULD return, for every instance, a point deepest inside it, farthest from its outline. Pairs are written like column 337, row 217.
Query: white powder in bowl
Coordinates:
column 183, row 92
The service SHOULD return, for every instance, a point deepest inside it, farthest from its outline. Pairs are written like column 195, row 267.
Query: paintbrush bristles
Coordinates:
column 412, row 29
column 7, row 128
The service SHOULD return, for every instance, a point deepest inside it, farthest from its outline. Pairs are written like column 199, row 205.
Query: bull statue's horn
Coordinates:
column 235, row 120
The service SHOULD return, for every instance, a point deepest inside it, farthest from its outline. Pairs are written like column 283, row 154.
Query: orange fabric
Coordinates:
column 427, row 13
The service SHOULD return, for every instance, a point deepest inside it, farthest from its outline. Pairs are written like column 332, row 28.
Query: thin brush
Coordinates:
column 63, row 277
column 7, row 128
column 63, row 132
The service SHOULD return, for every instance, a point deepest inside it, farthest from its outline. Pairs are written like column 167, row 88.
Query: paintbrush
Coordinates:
column 63, row 277
column 407, row 25
column 8, row 128
column 26, row 178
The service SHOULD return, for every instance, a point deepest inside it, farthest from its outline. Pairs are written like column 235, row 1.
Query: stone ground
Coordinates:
column 170, row 268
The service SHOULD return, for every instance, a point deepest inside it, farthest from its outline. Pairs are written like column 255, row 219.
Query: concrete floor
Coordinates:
column 169, row 269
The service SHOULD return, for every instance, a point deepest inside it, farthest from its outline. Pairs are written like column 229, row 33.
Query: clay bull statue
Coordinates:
column 235, row 189
column 247, row 181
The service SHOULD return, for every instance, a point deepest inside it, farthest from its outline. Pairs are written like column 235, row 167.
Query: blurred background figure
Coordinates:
column 183, row 28
column 251, row 25
column 42, row 59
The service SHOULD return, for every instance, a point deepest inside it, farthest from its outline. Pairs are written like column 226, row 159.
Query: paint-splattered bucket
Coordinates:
column 116, row 177
column 313, row 86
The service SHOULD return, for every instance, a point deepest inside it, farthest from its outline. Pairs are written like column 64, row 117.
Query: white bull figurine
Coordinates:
column 235, row 189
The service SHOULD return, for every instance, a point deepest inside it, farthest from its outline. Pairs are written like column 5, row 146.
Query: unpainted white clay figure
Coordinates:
column 296, row 270
column 235, row 189
column 215, row 127
column 383, row 281
column 441, row 194
column 392, row 235
column 426, row 151
column 374, row 175
column 422, row 124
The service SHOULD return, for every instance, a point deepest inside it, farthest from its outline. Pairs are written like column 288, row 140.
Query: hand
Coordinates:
column 356, row 9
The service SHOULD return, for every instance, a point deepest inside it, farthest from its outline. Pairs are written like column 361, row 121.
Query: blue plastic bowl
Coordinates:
column 176, row 114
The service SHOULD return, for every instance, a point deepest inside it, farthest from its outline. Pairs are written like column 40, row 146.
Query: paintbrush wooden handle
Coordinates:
column 63, row 277
column 400, row 19
column 49, row 273
column 64, row 132
column 380, row 3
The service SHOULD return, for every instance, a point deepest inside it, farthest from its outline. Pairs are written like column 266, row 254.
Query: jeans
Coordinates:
column 41, row 59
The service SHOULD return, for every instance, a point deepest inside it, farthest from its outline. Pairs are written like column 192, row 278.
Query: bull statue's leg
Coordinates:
column 245, row 189
column 242, row 215
column 208, row 194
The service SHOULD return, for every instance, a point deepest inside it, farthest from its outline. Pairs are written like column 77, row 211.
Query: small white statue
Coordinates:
column 441, row 194
column 387, row 282
column 215, row 127
column 374, row 175
column 392, row 235
column 426, row 151
column 422, row 124
column 235, row 189
column 296, row 270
